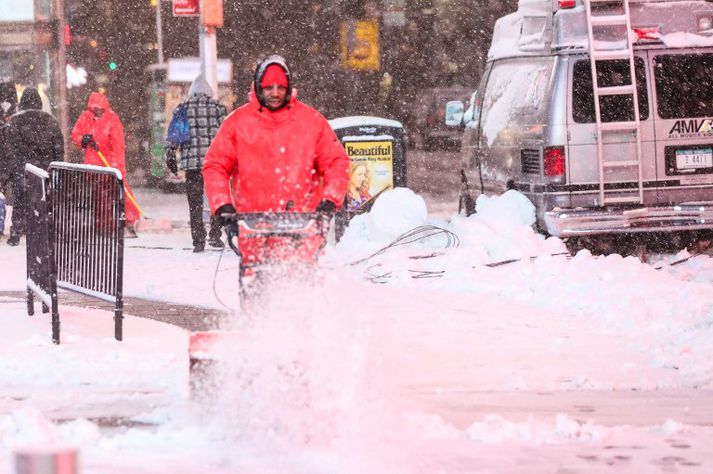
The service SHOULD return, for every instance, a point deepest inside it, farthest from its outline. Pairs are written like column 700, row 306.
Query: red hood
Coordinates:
column 97, row 99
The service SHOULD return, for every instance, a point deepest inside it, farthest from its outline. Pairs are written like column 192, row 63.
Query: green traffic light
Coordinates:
column 113, row 65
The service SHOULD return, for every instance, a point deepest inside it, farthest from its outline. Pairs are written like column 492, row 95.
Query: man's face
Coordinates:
column 274, row 95
column 98, row 111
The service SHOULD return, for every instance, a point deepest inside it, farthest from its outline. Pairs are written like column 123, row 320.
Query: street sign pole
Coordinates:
column 211, row 17
column 209, row 57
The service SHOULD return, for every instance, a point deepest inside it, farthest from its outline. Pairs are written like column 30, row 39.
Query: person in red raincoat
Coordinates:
column 99, row 129
column 275, row 153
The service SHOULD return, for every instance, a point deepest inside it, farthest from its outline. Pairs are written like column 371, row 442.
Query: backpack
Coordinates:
column 179, row 130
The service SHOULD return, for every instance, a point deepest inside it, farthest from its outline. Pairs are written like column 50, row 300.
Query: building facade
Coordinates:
column 32, row 50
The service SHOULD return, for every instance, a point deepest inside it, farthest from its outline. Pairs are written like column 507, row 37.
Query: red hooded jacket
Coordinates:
column 108, row 134
column 274, row 158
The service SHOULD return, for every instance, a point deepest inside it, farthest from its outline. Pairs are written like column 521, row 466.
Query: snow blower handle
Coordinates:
column 287, row 225
column 231, row 230
column 231, row 241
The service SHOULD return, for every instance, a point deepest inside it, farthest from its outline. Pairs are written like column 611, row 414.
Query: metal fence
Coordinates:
column 41, row 268
column 88, row 222
column 85, row 235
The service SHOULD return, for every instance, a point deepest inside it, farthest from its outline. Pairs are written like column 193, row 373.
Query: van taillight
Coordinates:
column 563, row 4
column 554, row 160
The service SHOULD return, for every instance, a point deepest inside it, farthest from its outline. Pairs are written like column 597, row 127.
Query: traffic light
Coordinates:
column 113, row 65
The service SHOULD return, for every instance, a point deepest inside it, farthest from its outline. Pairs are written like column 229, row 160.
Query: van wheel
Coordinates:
column 597, row 245
column 703, row 243
column 574, row 245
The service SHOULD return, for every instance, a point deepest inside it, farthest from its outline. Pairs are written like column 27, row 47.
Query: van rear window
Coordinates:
column 614, row 108
column 515, row 97
column 683, row 85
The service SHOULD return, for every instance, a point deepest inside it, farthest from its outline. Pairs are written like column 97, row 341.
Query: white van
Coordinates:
column 622, row 163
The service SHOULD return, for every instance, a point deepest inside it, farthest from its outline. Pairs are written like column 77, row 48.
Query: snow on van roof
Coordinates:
column 506, row 45
column 363, row 121
column 683, row 40
column 535, row 6
column 538, row 25
column 523, row 32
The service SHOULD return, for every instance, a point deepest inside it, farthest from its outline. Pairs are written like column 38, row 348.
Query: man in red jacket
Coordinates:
column 281, row 154
column 99, row 130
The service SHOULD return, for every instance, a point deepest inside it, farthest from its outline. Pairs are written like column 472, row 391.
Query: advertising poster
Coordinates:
column 371, row 170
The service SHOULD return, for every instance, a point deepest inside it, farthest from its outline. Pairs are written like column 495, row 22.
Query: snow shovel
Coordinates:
column 126, row 190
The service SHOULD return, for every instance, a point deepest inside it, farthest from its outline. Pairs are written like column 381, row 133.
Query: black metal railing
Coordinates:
column 75, row 236
column 41, row 268
column 88, row 223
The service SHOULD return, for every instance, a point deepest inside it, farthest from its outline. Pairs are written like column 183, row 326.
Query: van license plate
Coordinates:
column 694, row 159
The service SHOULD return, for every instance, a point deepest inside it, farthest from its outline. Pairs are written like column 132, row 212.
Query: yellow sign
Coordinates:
column 371, row 170
column 360, row 45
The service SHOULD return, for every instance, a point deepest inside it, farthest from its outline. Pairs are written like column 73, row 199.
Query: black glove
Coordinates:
column 171, row 163
column 223, row 216
column 87, row 140
column 326, row 207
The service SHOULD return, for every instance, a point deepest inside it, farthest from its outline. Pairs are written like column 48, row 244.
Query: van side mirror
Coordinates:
column 454, row 113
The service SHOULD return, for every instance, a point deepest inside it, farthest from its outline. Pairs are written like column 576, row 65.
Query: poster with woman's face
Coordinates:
column 371, row 170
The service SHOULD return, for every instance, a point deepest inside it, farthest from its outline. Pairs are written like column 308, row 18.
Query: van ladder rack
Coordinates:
column 624, row 51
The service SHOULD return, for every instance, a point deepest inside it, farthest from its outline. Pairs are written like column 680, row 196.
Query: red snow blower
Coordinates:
column 276, row 244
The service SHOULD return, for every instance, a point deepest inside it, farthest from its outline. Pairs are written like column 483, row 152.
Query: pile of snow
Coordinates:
column 395, row 212
column 399, row 211
column 501, row 229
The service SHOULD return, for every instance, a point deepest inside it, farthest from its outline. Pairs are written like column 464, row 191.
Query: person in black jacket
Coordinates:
column 33, row 137
column 8, row 105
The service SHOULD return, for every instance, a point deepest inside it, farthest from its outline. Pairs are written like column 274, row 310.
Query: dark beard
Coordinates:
column 274, row 109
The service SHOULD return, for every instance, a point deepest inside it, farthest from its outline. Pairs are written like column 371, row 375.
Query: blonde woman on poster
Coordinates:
column 358, row 192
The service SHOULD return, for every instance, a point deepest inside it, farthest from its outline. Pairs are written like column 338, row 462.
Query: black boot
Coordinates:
column 130, row 231
column 14, row 240
column 216, row 242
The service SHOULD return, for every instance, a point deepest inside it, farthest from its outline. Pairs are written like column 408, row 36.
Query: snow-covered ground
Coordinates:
column 421, row 358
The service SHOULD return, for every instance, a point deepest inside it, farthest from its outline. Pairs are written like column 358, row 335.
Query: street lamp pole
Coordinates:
column 159, row 32
column 62, row 76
